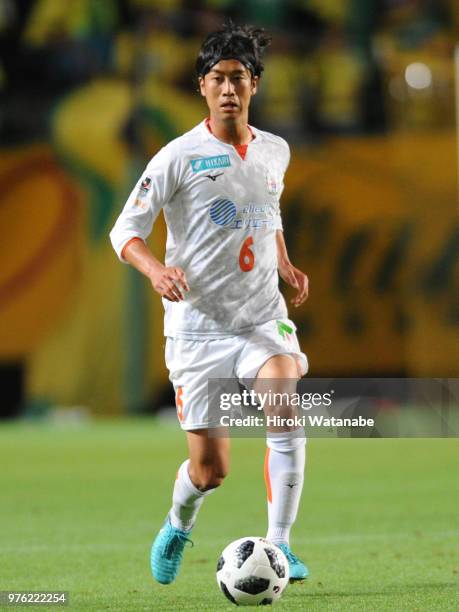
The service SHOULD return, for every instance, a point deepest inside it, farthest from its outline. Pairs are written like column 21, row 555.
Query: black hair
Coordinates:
column 244, row 43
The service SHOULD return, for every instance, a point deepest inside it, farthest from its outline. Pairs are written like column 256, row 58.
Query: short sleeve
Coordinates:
column 155, row 188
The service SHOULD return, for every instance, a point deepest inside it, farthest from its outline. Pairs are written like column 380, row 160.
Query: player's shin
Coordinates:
column 284, row 475
column 186, row 500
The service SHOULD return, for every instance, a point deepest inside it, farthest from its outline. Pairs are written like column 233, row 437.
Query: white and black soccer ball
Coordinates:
column 252, row 571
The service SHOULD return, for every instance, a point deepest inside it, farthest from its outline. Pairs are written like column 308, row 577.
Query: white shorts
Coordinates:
column 192, row 363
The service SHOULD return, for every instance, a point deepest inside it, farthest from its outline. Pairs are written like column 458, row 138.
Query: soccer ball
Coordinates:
column 252, row 571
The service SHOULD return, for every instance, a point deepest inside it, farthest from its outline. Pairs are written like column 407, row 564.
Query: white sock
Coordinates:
column 284, row 475
column 186, row 500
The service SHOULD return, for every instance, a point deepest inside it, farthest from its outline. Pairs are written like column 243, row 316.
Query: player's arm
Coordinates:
column 135, row 223
column 287, row 271
column 169, row 282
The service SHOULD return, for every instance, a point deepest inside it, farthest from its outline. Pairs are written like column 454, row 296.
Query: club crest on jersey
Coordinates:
column 272, row 182
column 210, row 163
column 145, row 185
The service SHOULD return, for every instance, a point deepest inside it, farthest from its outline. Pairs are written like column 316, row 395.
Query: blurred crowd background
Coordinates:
column 364, row 92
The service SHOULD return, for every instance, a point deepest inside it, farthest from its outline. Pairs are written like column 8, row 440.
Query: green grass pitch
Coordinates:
column 378, row 526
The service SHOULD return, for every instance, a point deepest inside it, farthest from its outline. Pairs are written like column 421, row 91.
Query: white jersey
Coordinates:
column 222, row 213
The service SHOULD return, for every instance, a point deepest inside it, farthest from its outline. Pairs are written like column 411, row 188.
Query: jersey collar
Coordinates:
column 257, row 135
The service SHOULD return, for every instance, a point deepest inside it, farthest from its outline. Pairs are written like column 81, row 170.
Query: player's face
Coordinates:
column 228, row 88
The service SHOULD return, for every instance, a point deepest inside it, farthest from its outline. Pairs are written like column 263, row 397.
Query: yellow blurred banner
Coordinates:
column 372, row 221
column 41, row 211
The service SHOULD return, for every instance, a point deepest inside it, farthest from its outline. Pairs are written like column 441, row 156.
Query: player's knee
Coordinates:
column 280, row 367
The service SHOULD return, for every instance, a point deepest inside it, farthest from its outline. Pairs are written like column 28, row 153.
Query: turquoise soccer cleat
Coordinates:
column 298, row 570
column 167, row 552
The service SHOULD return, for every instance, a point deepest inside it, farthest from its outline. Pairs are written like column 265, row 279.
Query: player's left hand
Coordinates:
column 296, row 279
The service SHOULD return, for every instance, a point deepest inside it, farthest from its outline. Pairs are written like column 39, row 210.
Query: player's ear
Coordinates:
column 202, row 86
column 254, row 88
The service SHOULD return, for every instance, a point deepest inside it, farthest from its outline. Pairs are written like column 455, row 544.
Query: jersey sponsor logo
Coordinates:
column 254, row 216
column 210, row 163
column 225, row 213
column 222, row 212
column 145, row 185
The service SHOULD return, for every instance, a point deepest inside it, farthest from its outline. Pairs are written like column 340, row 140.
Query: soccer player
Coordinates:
column 219, row 186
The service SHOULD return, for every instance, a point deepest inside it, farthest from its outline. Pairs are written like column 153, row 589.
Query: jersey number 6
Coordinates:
column 246, row 256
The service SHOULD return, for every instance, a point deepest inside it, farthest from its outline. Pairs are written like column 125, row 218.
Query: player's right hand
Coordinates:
column 169, row 282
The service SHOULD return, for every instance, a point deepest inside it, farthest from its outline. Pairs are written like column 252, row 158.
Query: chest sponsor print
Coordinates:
column 210, row 163
column 222, row 212
column 225, row 213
